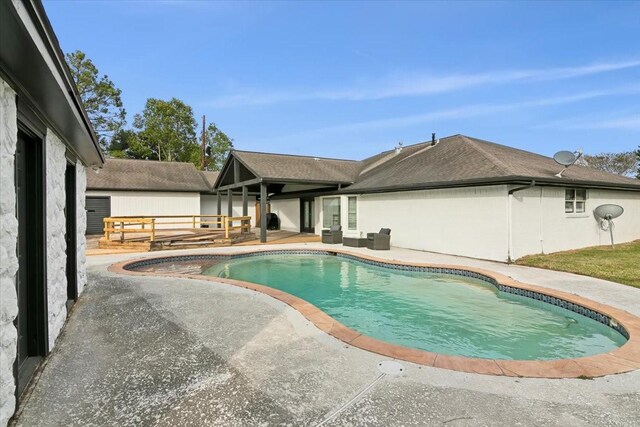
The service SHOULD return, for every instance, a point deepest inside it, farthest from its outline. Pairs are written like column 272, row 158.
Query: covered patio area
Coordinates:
column 278, row 175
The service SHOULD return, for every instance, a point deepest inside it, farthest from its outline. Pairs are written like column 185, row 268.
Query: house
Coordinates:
column 126, row 187
column 457, row 195
column 46, row 144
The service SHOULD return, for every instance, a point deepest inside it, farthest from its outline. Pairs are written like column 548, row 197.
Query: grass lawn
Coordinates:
column 620, row 264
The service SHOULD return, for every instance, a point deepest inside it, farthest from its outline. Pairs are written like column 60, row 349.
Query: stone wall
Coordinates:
column 56, row 228
column 81, row 224
column 8, row 259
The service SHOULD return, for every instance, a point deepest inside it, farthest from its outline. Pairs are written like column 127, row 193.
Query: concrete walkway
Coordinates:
column 156, row 351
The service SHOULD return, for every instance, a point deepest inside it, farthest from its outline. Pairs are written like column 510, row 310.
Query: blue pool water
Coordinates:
column 436, row 312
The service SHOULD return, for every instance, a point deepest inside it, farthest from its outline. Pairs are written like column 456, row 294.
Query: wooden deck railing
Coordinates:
column 149, row 224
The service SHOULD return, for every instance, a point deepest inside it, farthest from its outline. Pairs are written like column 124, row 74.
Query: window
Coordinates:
column 330, row 211
column 353, row 213
column 575, row 200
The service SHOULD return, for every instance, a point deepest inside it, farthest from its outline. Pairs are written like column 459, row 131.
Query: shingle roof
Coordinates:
column 210, row 177
column 460, row 159
column 303, row 168
column 149, row 175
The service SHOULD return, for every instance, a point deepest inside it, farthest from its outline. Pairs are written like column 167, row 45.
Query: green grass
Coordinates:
column 619, row 264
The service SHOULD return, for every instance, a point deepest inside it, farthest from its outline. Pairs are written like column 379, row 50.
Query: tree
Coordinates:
column 218, row 146
column 619, row 163
column 166, row 132
column 120, row 146
column 638, row 162
column 100, row 97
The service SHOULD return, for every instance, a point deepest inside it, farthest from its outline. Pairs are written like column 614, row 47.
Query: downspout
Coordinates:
column 509, row 221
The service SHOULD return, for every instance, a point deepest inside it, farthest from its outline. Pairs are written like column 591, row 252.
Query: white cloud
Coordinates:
column 419, row 85
column 467, row 112
column 623, row 122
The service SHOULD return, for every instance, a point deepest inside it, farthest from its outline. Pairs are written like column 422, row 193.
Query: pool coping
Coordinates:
column 623, row 359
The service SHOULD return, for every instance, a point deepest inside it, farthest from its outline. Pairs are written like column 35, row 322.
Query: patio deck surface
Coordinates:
column 158, row 351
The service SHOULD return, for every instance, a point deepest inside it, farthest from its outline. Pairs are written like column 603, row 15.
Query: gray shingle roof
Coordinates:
column 147, row 175
column 210, row 177
column 302, row 168
column 460, row 159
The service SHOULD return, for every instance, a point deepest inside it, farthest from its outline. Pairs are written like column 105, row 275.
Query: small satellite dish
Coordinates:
column 606, row 214
column 566, row 159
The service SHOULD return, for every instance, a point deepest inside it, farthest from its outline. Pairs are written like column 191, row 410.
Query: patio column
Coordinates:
column 229, row 202
column 245, row 200
column 219, row 202
column 263, row 212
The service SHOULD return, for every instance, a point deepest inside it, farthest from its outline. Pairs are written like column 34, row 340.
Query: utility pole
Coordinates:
column 202, row 148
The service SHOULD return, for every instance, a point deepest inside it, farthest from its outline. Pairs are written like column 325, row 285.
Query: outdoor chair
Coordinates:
column 333, row 235
column 380, row 241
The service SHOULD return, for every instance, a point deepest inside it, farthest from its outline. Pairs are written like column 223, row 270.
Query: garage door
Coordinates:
column 97, row 209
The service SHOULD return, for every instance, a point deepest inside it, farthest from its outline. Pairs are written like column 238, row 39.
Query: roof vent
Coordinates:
column 399, row 147
column 316, row 159
column 434, row 141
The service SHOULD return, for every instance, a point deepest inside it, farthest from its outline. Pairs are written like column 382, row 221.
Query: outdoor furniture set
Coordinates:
column 375, row 241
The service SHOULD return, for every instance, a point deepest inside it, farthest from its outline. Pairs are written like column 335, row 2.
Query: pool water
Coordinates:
column 435, row 312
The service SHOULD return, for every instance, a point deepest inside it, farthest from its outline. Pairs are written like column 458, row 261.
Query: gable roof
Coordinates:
column 287, row 167
column 147, row 175
column 210, row 177
column 461, row 160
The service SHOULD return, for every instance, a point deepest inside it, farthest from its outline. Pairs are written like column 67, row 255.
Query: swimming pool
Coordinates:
column 445, row 311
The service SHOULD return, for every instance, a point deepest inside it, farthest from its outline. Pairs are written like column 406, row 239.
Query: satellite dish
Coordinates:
column 566, row 159
column 606, row 213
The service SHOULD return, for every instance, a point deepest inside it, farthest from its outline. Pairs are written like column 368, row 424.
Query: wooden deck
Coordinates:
column 169, row 239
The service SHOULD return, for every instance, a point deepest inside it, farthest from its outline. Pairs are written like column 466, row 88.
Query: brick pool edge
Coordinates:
column 623, row 359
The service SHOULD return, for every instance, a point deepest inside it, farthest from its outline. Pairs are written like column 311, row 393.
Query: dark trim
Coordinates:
column 29, row 119
column 240, row 184
column 236, row 171
column 227, row 164
column 263, row 212
column 312, row 208
column 306, row 193
column 147, row 190
column 245, row 201
column 305, row 181
column 71, row 231
column 36, row 78
column 32, row 249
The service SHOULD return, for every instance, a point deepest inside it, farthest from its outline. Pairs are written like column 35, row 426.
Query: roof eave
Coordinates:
column 33, row 63
column 559, row 182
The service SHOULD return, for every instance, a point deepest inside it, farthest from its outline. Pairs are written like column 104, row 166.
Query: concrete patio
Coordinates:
column 158, row 351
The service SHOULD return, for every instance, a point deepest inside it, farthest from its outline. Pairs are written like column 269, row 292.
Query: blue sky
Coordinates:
column 349, row 80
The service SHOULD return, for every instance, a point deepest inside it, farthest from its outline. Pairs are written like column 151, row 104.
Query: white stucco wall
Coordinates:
column 81, row 224
column 56, row 164
column 209, row 206
column 462, row 221
column 541, row 225
column 8, row 258
column 288, row 210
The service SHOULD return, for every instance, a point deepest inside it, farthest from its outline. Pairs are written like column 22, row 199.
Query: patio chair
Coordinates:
column 333, row 235
column 380, row 241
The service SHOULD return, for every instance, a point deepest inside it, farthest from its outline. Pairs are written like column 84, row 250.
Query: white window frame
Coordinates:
column 324, row 213
column 571, row 196
column 349, row 227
